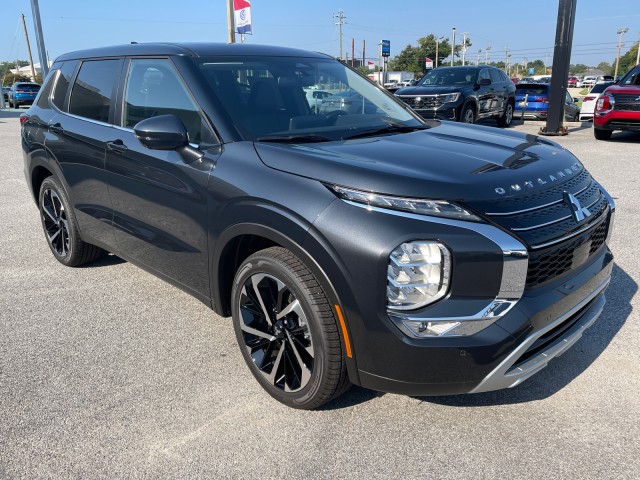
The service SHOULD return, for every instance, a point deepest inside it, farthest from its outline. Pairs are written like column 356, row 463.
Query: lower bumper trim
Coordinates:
column 505, row 375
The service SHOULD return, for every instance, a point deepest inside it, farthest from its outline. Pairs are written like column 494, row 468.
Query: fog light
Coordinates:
column 418, row 274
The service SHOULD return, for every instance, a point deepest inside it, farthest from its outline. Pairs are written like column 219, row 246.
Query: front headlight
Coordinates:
column 418, row 274
column 449, row 97
column 436, row 208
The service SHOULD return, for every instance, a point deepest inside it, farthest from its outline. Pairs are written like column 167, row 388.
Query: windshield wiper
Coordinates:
column 393, row 128
column 294, row 138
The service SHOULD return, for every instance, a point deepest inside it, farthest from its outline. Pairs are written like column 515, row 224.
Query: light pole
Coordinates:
column 486, row 55
column 438, row 40
column 621, row 32
column 637, row 55
column 453, row 44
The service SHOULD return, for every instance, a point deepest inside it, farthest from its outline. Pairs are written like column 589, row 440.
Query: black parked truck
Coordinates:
column 359, row 246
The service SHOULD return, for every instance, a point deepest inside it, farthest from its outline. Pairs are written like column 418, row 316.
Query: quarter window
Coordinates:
column 93, row 90
column 484, row 74
column 62, row 85
column 154, row 88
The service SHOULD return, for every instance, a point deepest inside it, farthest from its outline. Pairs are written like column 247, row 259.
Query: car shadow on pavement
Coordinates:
column 562, row 370
column 105, row 260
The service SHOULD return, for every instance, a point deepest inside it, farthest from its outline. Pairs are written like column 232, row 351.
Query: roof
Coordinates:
column 191, row 50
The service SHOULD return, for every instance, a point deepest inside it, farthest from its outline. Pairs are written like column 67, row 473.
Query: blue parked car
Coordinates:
column 23, row 93
column 533, row 98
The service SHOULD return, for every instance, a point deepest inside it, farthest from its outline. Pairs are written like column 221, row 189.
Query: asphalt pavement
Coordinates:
column 108, row 372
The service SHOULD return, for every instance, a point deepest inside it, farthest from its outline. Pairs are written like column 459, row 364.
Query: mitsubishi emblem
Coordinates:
column 578, row 212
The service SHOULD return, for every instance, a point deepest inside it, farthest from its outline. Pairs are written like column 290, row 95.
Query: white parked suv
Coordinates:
column 590, row 100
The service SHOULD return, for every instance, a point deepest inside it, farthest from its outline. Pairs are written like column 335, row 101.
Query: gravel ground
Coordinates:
column 108, row 372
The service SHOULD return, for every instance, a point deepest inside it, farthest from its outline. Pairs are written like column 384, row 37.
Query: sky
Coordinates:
column 526, row 27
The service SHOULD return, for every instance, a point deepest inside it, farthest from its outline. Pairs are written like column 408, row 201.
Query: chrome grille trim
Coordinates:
column 533, row 209
column 572, row 234
column 526, row 229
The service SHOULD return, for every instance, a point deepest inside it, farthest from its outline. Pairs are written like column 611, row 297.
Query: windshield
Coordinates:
column 301, row 98
column 450, row 76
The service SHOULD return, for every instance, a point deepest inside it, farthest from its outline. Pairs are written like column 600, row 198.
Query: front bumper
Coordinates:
column 516, row 343
column 617, row 120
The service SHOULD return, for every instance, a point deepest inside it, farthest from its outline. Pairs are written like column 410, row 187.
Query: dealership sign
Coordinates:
column 242, row 15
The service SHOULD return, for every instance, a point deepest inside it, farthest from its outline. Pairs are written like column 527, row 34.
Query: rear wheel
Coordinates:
column 287, row 331
column 601, row 134
column 507, row 117
column 468, row 114
column 61, row 228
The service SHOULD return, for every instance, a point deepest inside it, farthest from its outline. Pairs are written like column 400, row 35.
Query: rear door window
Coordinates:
column 93, row 89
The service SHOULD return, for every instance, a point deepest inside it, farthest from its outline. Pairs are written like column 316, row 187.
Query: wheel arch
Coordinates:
column 241, row 240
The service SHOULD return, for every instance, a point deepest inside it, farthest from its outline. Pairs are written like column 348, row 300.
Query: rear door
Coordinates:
column 159, row 200
column 499, row 90
column 76, row 139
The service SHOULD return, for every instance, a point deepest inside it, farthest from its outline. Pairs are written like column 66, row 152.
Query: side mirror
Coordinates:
column 576, row 99
column 484, row 81
column 164, row 132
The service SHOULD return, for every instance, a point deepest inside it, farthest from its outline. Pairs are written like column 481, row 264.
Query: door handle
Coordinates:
column 56, row 128
column 117, row 146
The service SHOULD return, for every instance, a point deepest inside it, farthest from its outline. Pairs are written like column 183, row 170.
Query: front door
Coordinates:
column 160, row 201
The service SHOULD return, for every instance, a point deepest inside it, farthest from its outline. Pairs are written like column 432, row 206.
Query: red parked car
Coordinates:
column 618, row 108
column 572, row 82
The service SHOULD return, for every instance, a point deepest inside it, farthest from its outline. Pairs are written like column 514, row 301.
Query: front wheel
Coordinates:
column 468, row 114
column 287, row 331
column 61, row 228
column 601, row 134
column 507, row 117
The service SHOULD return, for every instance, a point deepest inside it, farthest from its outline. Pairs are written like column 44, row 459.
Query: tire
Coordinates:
column 602, row 134
column 61, row 228
column 297, row 356
column 507, row 117
column 468, row 114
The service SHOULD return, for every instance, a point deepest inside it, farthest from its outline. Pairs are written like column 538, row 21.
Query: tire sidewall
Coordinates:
column 468, row 107
column 52, row 183
column 261, row 264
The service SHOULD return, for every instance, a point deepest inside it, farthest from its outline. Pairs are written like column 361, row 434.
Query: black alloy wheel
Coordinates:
column 287, row 331
column 60, row 226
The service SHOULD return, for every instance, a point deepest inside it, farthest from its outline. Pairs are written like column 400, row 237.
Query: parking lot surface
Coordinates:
column 108, row 372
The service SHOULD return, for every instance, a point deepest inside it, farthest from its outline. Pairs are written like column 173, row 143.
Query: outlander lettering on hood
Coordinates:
column 540, row 181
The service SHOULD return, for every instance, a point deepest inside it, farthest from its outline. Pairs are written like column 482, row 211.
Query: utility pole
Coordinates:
column 26, row 36
column 464, row 47
column 42, row 51
column 363, row 56
column 621, row 32
column 637, row 55
column 438, row 40
column 231, row 31
column 479, row 53
column 340, row 16
column 506, row 60
column 453, row 44
column 486, row 55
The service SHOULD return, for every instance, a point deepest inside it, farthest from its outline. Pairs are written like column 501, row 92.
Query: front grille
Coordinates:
column 419, row 102
column 627, row 107
column 545, row 223
column 551, row 262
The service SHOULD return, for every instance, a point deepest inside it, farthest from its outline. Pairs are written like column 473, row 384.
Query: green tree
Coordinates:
column 411, row 58
column 606, row 68
column 628, row 60
column 578, row 68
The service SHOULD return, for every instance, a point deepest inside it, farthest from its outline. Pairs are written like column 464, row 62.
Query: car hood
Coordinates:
column 449, row 161
column 629, row 89
column 429, row 89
